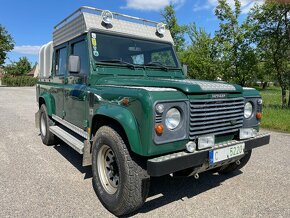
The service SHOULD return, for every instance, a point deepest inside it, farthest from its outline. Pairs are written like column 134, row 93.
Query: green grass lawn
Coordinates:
column 274, row 117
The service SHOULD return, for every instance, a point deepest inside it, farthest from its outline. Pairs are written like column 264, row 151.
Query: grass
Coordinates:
column 274, row 117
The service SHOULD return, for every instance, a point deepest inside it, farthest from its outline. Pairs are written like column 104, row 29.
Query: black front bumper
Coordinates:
column 171, row 163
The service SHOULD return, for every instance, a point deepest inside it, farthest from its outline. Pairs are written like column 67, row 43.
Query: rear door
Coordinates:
column 59, row 73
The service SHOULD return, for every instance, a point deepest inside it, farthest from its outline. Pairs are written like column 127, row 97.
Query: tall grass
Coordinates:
column 274, row 116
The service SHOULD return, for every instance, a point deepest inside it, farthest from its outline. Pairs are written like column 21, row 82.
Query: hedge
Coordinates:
column 19, row 81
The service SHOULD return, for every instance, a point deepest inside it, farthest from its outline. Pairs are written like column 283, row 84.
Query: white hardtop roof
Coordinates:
column 87, row 18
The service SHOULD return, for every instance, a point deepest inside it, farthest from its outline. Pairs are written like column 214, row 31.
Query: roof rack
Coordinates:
column 87, row 8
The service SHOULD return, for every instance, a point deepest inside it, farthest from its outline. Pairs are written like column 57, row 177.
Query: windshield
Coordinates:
column 125, row 50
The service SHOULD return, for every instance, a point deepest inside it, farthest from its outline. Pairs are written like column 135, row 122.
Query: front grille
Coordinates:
column 215, row 116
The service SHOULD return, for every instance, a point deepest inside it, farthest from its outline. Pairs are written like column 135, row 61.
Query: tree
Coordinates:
column 270, row 31
column 264, row 73
column 6, row 44
column 21, row 67
column 200, row 55
column 238, row 58
column 176, row 30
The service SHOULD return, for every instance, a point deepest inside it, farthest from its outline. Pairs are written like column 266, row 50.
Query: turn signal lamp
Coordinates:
column 259, row 115
column 159, row 128
column 125, row 101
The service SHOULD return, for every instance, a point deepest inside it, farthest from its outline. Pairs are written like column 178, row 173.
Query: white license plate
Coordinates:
column 222, row 154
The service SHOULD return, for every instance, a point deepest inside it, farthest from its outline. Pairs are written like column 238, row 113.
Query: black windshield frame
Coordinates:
column 106, row 46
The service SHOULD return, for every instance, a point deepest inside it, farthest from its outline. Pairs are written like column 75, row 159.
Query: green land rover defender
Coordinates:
column 112, row 88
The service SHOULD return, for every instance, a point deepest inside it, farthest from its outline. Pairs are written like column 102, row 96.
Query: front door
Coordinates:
column 75, row 89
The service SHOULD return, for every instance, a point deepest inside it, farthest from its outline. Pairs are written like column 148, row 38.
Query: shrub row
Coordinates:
column 19, row 81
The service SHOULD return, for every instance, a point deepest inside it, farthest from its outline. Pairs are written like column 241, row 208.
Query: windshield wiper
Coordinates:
column 157, row 64
column 118, row 62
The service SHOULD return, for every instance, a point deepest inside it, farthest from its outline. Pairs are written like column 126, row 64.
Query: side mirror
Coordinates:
column 74, row 64
column 184, row 68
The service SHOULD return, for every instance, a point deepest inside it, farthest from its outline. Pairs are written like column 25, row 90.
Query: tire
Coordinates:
column 119, row 178
column 234, row 166
column 45, row 122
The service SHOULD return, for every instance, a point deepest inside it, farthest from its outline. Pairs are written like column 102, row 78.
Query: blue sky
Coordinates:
column 31, row 22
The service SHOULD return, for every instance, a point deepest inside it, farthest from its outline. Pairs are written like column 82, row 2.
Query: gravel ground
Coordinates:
column 45, row 181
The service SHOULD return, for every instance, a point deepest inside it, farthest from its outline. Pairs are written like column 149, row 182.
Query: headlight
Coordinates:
column 248, row 110
column 172, row 119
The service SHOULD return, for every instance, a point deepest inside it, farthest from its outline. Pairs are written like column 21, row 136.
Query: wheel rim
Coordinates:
column 42, row 125
column 108, row 169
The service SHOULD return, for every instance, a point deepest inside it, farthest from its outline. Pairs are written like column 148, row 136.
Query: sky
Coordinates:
column 31, row 22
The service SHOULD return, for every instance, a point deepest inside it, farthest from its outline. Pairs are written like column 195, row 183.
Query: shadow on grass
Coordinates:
column 163, row 190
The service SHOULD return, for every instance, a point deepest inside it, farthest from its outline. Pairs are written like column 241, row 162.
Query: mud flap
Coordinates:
column 87, row 155
column 37, row 114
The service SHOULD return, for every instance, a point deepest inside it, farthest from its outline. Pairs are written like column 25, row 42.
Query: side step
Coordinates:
column 72, row 141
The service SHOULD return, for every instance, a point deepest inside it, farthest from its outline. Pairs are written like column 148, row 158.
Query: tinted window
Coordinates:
column 61, row 62
column 80, row 49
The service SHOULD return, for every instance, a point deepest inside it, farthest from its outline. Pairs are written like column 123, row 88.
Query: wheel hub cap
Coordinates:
column 108, row 169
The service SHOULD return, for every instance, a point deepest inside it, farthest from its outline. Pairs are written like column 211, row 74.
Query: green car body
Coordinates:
column 117, row 94
column 68, row 97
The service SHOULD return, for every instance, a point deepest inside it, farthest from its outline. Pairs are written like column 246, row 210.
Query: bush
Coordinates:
column 19, row 81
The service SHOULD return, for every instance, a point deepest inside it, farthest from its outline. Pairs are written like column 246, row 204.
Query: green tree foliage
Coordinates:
column 21, row 67
column 19, row 80
column 6, row 44
column 177, row 31
column 239, row 60
column 264, row 73
column 200, row 56
column 270, row 30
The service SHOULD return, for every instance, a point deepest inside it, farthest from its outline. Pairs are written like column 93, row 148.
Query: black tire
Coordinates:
column 132, row 188
column 234, row 166
column 45, row 122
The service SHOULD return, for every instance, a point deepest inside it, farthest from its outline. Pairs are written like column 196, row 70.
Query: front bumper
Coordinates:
column 171, row 163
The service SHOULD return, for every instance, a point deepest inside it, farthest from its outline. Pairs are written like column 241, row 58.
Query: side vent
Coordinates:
column 158, row 118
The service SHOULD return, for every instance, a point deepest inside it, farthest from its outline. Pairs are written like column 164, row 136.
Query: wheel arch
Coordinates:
column 48, row 100
column 122, row 121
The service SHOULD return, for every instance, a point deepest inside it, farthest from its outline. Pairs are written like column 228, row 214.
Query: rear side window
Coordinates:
column 61, row 62
column 80, row 49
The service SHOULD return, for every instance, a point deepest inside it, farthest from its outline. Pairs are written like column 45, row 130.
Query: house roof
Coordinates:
column 31, row 72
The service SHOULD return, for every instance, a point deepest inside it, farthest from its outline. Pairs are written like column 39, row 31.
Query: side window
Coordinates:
column 61, row 62
column 80, row 49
